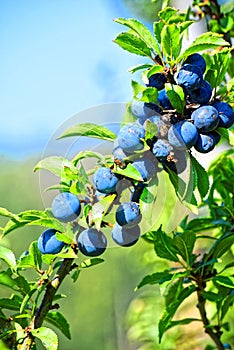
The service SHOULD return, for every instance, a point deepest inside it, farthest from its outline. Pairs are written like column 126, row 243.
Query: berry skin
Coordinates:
column 164, row 100
column 92, row 242
column 66, row 207
column 138, row 189
column 125, row 237
column 206, row 142
column 162, row 149
column 190, row 77
column 48, row 243
column 182, row 135
column 128, row 214
column 143, row 110
column 146, row 168
column 202, row 95
column 157, row 80
column 105, row 180
column 205, row 118
column 226, row 114
column 196, row 60
column 129, row 137
column 178, row 165
column 119, row 154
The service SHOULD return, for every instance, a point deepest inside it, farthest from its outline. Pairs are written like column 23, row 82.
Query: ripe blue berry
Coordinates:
column 92, row 242
column 164, row 100
column 202, row 95
column 146, row 168
column 119, row 154
column 205, row 118
column 182, row 135
column 206, row 142
column 105, row 180
column 197, row 60
column 129, row 137
column 128, row 214
column 190, row 77
column 162, row 149
column 48, row 243
column 66, row 207
column 137, row 192
column 125, row 237
column 226, row 114
column 157, row 80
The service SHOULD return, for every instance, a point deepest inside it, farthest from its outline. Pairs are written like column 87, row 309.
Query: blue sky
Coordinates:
column 57, row 58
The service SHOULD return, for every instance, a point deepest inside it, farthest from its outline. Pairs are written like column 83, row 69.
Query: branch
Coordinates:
column 46, row 303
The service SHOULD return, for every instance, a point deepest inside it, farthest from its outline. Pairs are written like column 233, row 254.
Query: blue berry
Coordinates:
column 146, row 168
column 119, row 154
column 92, row 242
column 129, row 137
column 137, row 192
column 125, row 237
column 157, row 80
column 206, row 142
column 162, row 149
column 143, row 110
column 182, row 135
column 205, row 118
column 48, row 243
column 226, row 114
column 105, row 180
column 128, row 214
column 66, row 207
column 190, row 77
column 197, row 60
column 164, row 100
column 202, row 95
column 178, row 164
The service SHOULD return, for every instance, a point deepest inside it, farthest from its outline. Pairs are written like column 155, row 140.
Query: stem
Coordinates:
column 214, row 335
column 46, row 303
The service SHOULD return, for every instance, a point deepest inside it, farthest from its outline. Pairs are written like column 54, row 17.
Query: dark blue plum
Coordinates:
column 128, row 214
column 105, row 180
column 137, row 192
column 205, row 118
column 190, row 77
column 125, row 237
column 226, row 114
column 157, row 80
column 202, row 95
column 143, row 110
column 162, row 149
column 66, row 207
column 129, row 137
column 206, row 142
column 164, row 100
column 48, row 243
column 197, row 60
column 178, row 164
column 92, row 242
column 119, row 154
column 182, row 135
column 146, row 168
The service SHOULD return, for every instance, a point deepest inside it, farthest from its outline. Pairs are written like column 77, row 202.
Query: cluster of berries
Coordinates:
column 174, row 135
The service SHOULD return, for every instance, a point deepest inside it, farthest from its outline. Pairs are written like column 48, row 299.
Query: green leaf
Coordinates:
column 154, row 70
column 143, row 32
column 130, row 171
column 89, row 130
column 12, row 303
column 176, row 96
column 202, row 177
column 171, row 41
column 50, row 222
column 221, row 246
column 164, row 246
column 167, row 13
column 151, row 130
column 100, row 208
column 8, row 256
column 7, row 213
column 142, row 93
column 91, row 262
column 228, row 302
column 87, row 154
column 158, row 26
column 182, row 322
column 227, row 134
column 6, row 279
column 185, row 242
column 224, row 281
column 155, row 278
column 55, row 165
column 33, row 259
column 168, row 314
column 211, row 296
column 138, row 67
column 132, row 44
column 48, row 337
column 203, row 42
column 58, row 320
column 64, row 237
